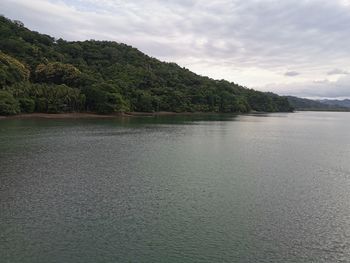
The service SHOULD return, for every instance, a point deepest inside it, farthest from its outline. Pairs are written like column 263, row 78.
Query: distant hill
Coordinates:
column 42, row 74
column 337, row 103
column 316, row 105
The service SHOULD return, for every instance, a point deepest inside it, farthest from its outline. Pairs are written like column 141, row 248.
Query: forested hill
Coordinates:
column 39, row 73
column 316, row 105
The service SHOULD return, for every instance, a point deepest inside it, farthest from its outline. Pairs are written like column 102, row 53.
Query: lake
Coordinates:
column 215, row 188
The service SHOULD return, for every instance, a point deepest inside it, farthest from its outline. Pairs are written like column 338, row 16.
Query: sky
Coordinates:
column 290, row 47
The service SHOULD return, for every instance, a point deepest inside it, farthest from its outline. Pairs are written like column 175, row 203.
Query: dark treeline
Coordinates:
column 41, row 74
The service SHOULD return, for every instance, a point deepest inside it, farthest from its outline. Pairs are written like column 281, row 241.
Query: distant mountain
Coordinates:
column 316, row 105
column 42, row 74
column 337, row 103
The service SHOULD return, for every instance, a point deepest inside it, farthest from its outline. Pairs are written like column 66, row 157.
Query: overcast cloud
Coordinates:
column 289, row 47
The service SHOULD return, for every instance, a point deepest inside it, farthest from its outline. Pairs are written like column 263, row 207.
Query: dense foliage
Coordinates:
column 11, row 70
column 8, row 104
column 47, row 75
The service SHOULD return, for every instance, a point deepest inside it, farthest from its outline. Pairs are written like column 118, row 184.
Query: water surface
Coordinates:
column 263, row 188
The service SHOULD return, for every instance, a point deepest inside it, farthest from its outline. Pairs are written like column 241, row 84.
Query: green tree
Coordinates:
column 8, row 104
column 11, row 70
column 27, row 105
column 57, row 73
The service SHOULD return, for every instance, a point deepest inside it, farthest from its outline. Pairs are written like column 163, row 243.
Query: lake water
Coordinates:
column 263, row 188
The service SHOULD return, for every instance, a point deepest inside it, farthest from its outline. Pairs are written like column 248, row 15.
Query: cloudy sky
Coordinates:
column 295, row 47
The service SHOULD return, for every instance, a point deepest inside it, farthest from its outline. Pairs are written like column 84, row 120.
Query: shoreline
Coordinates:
column 87, row 115
column 56, row 116
column 92, row 115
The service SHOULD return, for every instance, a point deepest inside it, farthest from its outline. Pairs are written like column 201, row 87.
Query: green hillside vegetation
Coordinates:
column 41, row 74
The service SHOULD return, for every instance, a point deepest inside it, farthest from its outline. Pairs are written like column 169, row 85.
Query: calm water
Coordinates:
column 268, row 188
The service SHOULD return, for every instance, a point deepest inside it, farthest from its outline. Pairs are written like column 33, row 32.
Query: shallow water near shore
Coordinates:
column 201, row 188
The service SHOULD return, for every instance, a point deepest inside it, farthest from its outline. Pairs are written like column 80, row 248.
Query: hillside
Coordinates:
column 39, row 73
column 316, row 105
column 337, row 103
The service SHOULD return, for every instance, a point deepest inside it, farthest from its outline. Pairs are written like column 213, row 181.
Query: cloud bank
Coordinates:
column 281, row 45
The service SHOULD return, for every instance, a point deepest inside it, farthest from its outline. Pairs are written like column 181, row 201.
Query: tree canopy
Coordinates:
column 106, row 77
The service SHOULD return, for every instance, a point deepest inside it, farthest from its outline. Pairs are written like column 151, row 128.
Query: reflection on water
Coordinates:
column 197, row 188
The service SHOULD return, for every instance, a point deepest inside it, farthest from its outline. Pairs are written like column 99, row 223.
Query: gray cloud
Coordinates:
column 338, row 72
column 291, row 73
column 249, row 42
column 315, row 89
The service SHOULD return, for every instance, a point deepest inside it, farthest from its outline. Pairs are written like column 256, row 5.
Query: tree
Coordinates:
column 11, row 70
column 27, row 105
column 8, row 104
column 57, row 73
column 104, row 99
